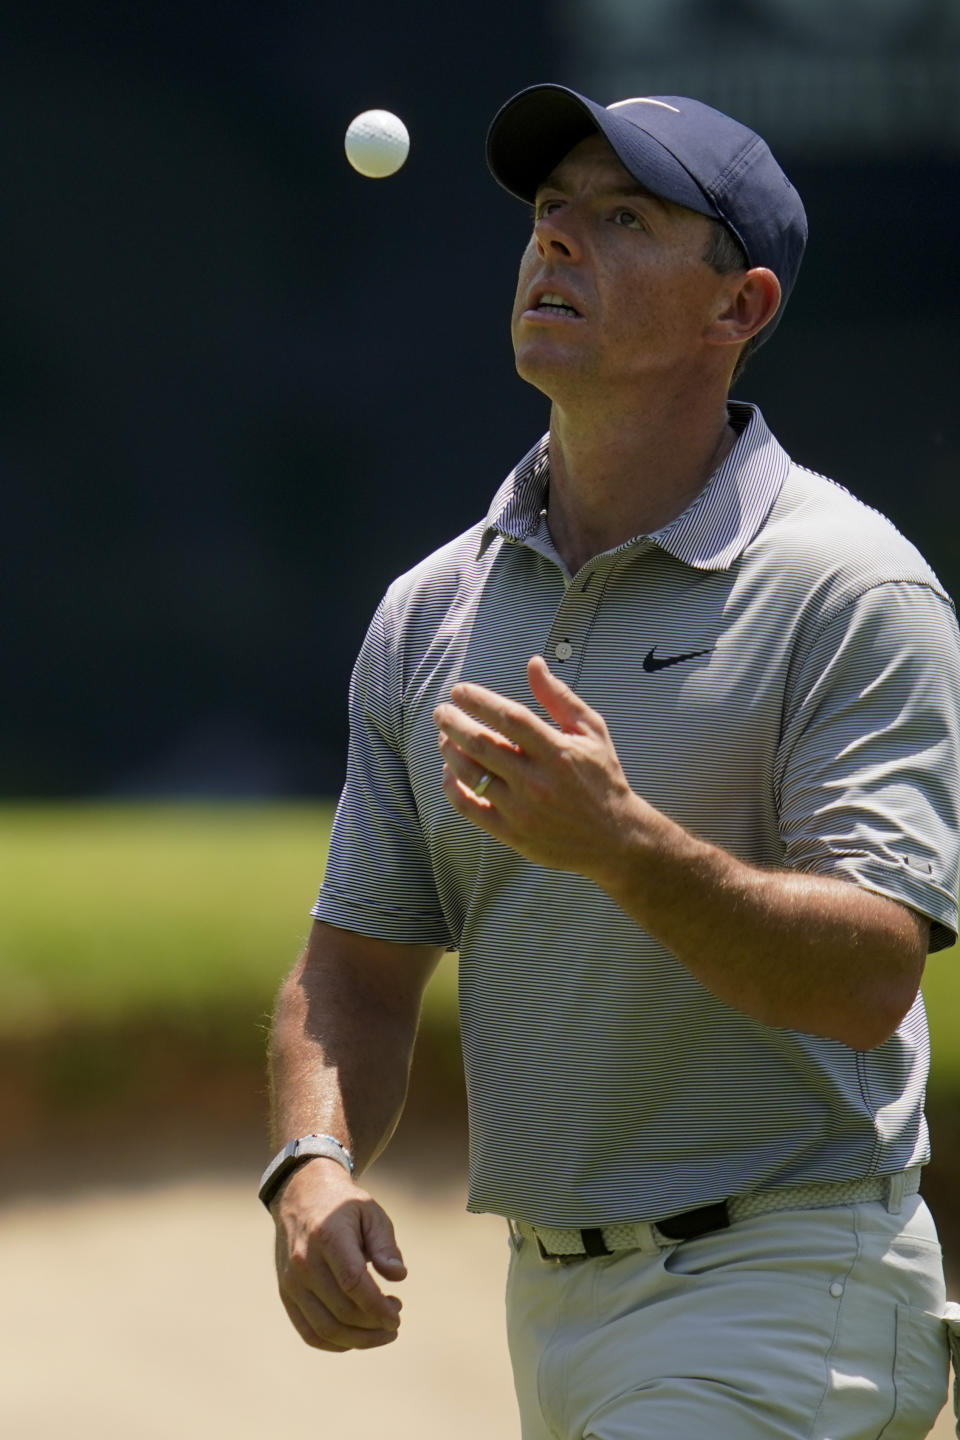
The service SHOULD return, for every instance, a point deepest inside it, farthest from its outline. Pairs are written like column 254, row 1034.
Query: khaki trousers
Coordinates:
column 821, row 1324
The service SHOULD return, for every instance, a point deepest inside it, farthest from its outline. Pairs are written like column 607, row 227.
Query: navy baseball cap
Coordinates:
column 680, row 149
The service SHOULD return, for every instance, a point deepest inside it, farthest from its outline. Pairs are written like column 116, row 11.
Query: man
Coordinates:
column 692, row 825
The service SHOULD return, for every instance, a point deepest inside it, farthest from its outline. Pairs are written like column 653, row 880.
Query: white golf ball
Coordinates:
column 377, row 143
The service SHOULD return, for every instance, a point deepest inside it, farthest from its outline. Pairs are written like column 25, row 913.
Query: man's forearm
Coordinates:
column 803, row 952
column 341, row 1046
column 806, row 952
column 349, row 1084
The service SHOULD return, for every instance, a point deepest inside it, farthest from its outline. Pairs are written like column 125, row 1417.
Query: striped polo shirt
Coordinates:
column 780, row 673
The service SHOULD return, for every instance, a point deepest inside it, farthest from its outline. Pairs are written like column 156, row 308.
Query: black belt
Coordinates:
column 559, row 1243
column 686, row 1226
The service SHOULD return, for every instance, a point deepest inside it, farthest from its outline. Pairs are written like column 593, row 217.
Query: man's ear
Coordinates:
column 750, row 305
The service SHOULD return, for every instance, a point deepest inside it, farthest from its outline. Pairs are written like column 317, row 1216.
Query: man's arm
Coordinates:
column 340, row 1053
column 805, row 952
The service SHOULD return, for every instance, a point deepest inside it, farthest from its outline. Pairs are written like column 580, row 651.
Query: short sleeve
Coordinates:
column 869, row 760
column 379, row 880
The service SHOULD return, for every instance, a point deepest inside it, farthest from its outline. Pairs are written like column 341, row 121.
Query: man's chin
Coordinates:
column 547, row 368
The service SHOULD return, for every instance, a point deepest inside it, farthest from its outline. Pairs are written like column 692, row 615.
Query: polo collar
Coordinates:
column 713, row 531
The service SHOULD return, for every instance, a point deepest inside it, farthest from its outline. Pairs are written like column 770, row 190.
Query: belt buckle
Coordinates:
column 547, row 1255
column 550, row 1259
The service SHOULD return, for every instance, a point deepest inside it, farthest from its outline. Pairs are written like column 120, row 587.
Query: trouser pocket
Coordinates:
column 951, row 1319
column 920, row 1374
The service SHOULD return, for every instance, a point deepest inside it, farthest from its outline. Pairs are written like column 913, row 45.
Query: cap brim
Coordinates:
column 533, row 131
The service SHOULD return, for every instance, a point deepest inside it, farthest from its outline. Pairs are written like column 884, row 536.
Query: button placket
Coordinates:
column 572, row 623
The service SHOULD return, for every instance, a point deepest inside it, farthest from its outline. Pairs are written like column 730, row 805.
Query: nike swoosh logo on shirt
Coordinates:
column 651, row 663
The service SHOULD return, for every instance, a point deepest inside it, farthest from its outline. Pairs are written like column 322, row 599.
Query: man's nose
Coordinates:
column 556, row 236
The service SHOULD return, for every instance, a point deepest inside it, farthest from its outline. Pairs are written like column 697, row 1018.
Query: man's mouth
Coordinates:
column 551, row 304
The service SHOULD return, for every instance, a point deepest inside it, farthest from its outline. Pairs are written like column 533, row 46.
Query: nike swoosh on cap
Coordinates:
column 651, row 663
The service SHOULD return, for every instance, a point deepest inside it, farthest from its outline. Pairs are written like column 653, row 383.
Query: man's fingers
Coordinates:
column 514, row 726
column 391, row 1267
column 562, row 704
column 472, row 741
column 380, row 1243
column 304, row 1329
column 461, row 770
column 346, row 1293
column 332, row 1331
column 353, row 1283
column 359, row 1286
column 321, row 1329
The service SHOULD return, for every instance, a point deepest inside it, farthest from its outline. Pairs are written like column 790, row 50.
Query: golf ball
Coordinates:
column 377, row 143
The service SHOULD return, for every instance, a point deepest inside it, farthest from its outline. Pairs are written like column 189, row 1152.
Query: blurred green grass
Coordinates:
column 113, row 913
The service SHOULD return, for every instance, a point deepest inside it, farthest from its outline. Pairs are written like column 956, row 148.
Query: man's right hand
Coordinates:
column 328, row 1232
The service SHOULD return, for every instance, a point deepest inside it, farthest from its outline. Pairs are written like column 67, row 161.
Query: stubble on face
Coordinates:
column 630, row 263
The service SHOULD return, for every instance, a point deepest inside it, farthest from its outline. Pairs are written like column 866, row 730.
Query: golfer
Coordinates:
column 667, row 747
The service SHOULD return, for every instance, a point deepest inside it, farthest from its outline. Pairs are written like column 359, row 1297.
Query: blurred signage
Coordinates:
column 834, row 76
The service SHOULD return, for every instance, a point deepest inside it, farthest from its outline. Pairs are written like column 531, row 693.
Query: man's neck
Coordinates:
column 620, row 475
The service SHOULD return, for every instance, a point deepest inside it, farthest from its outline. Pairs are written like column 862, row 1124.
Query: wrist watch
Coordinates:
column 293, row 1155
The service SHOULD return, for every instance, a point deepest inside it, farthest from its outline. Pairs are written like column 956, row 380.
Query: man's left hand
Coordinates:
column 557, row 793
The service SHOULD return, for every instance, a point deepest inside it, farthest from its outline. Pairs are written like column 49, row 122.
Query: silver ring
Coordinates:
column 481, row 785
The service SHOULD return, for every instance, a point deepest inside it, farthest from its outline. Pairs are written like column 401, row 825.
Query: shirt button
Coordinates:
column 564, row 650
column 836, row 1289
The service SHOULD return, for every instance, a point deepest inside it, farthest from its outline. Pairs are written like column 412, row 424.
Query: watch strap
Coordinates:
column 294, row 1154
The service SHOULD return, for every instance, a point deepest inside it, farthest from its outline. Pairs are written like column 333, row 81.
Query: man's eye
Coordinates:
column 546, row 207
column 630, row 219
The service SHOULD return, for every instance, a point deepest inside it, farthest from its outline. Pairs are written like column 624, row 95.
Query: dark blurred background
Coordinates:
column 242, row 387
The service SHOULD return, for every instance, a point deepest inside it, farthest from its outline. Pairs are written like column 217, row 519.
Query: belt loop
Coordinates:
column 895, row 1186
column 516, row 1239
